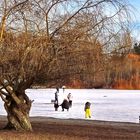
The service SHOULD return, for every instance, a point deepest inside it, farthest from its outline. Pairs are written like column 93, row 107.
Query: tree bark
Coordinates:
column 18, row 113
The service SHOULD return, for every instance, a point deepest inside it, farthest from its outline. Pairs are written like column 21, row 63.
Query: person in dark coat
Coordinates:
column 56, row 99
column 65, row 105
column 56, row 105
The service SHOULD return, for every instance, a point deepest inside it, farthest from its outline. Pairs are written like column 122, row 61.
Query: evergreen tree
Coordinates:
column 137, row 48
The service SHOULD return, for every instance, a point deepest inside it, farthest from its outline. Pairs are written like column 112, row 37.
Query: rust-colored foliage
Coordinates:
column 134, row 81
column 75, row 84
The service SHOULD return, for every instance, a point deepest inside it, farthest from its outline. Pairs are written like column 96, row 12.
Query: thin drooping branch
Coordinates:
column 6, row 14
column 66, row 21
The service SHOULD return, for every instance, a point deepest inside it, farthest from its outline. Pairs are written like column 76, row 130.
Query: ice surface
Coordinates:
column 108, row 105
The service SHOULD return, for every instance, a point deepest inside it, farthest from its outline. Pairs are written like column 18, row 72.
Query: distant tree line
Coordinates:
column 81, row 43
column 137, row 48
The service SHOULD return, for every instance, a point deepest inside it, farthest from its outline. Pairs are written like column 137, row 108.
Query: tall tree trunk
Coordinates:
column 16, row 103
column 18, row 113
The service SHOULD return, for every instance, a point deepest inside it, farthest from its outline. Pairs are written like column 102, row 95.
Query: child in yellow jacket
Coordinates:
column 87, row 110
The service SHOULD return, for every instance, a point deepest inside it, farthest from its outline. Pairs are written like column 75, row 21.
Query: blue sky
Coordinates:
column 136, row 22
column 136, row 5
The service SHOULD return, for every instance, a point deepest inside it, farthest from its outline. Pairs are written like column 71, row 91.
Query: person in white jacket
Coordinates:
column 70, row 97
column 63, row 87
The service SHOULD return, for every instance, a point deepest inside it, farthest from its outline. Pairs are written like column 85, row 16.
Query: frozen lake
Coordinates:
column 108, row 105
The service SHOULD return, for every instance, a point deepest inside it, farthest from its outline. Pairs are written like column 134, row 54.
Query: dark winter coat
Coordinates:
column 65, row 104
column 87, row 105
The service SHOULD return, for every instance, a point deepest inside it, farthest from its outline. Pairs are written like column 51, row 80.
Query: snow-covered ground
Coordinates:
column 109, row 105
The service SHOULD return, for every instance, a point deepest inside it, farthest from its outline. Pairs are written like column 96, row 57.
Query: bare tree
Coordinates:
column 49, row 27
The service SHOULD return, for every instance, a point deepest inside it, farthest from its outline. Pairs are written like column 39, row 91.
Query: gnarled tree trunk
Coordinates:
column 17, row 105
column 18, row 113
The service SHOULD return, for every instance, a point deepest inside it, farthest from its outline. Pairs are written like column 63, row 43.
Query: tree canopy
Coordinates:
column 35, row 33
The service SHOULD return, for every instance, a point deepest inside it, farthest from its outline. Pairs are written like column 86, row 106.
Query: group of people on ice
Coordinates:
column 66, row 103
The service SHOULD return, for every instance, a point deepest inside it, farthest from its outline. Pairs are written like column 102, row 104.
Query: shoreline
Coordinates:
column 45, row 128
column 75, row 120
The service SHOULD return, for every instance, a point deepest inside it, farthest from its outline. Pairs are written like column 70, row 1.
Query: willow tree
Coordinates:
column 33, row 32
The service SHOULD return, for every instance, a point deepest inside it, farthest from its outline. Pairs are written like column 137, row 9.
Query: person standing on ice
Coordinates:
column 63, row 87
column 87, row 110
column 70, row 97
column 56, row 99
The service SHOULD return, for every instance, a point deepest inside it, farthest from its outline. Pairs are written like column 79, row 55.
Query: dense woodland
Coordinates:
column 80, row 44
column 92, row 68
column 83, row 65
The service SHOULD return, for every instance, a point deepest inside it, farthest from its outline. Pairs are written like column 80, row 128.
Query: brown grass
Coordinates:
column 61, row 129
